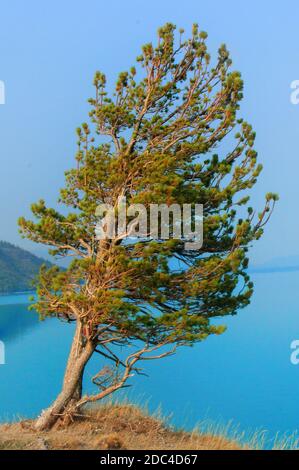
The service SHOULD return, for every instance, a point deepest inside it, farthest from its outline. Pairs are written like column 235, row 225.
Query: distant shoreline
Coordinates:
column 7, row 294
column 270, row 270
column 252, row 270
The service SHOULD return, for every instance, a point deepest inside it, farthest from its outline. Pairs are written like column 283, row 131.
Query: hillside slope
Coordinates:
column 17, row 268
column 111, row 427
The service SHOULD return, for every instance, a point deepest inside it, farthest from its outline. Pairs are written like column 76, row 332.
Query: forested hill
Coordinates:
column 17, row 268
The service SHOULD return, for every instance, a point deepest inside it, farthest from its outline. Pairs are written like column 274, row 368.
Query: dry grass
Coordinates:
column 125, row 426
column 111, row 426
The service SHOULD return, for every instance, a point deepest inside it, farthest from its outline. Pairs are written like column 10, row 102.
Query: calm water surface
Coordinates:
column 244, row 375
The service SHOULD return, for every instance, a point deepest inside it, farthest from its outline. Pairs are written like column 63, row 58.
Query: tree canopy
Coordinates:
column 169, row 133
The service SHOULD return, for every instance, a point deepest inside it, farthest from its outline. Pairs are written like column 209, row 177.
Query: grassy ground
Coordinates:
column 110, row 427
column 125, row 426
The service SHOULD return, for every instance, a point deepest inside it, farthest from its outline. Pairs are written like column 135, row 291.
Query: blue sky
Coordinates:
column 49, row 52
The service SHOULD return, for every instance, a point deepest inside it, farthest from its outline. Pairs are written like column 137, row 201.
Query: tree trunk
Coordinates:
column 72, row 384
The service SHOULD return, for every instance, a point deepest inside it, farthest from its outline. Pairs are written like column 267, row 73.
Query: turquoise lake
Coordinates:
column 245, row 375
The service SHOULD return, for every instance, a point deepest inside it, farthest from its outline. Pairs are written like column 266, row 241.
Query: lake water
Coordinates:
column 245, row 375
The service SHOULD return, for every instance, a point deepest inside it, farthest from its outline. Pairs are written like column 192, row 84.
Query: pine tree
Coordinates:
column 169, row 134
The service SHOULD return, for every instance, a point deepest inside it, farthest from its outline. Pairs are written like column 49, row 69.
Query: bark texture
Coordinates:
column 72, row 384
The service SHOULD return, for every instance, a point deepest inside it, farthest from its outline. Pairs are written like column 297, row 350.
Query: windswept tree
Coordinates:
column 169, row 134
